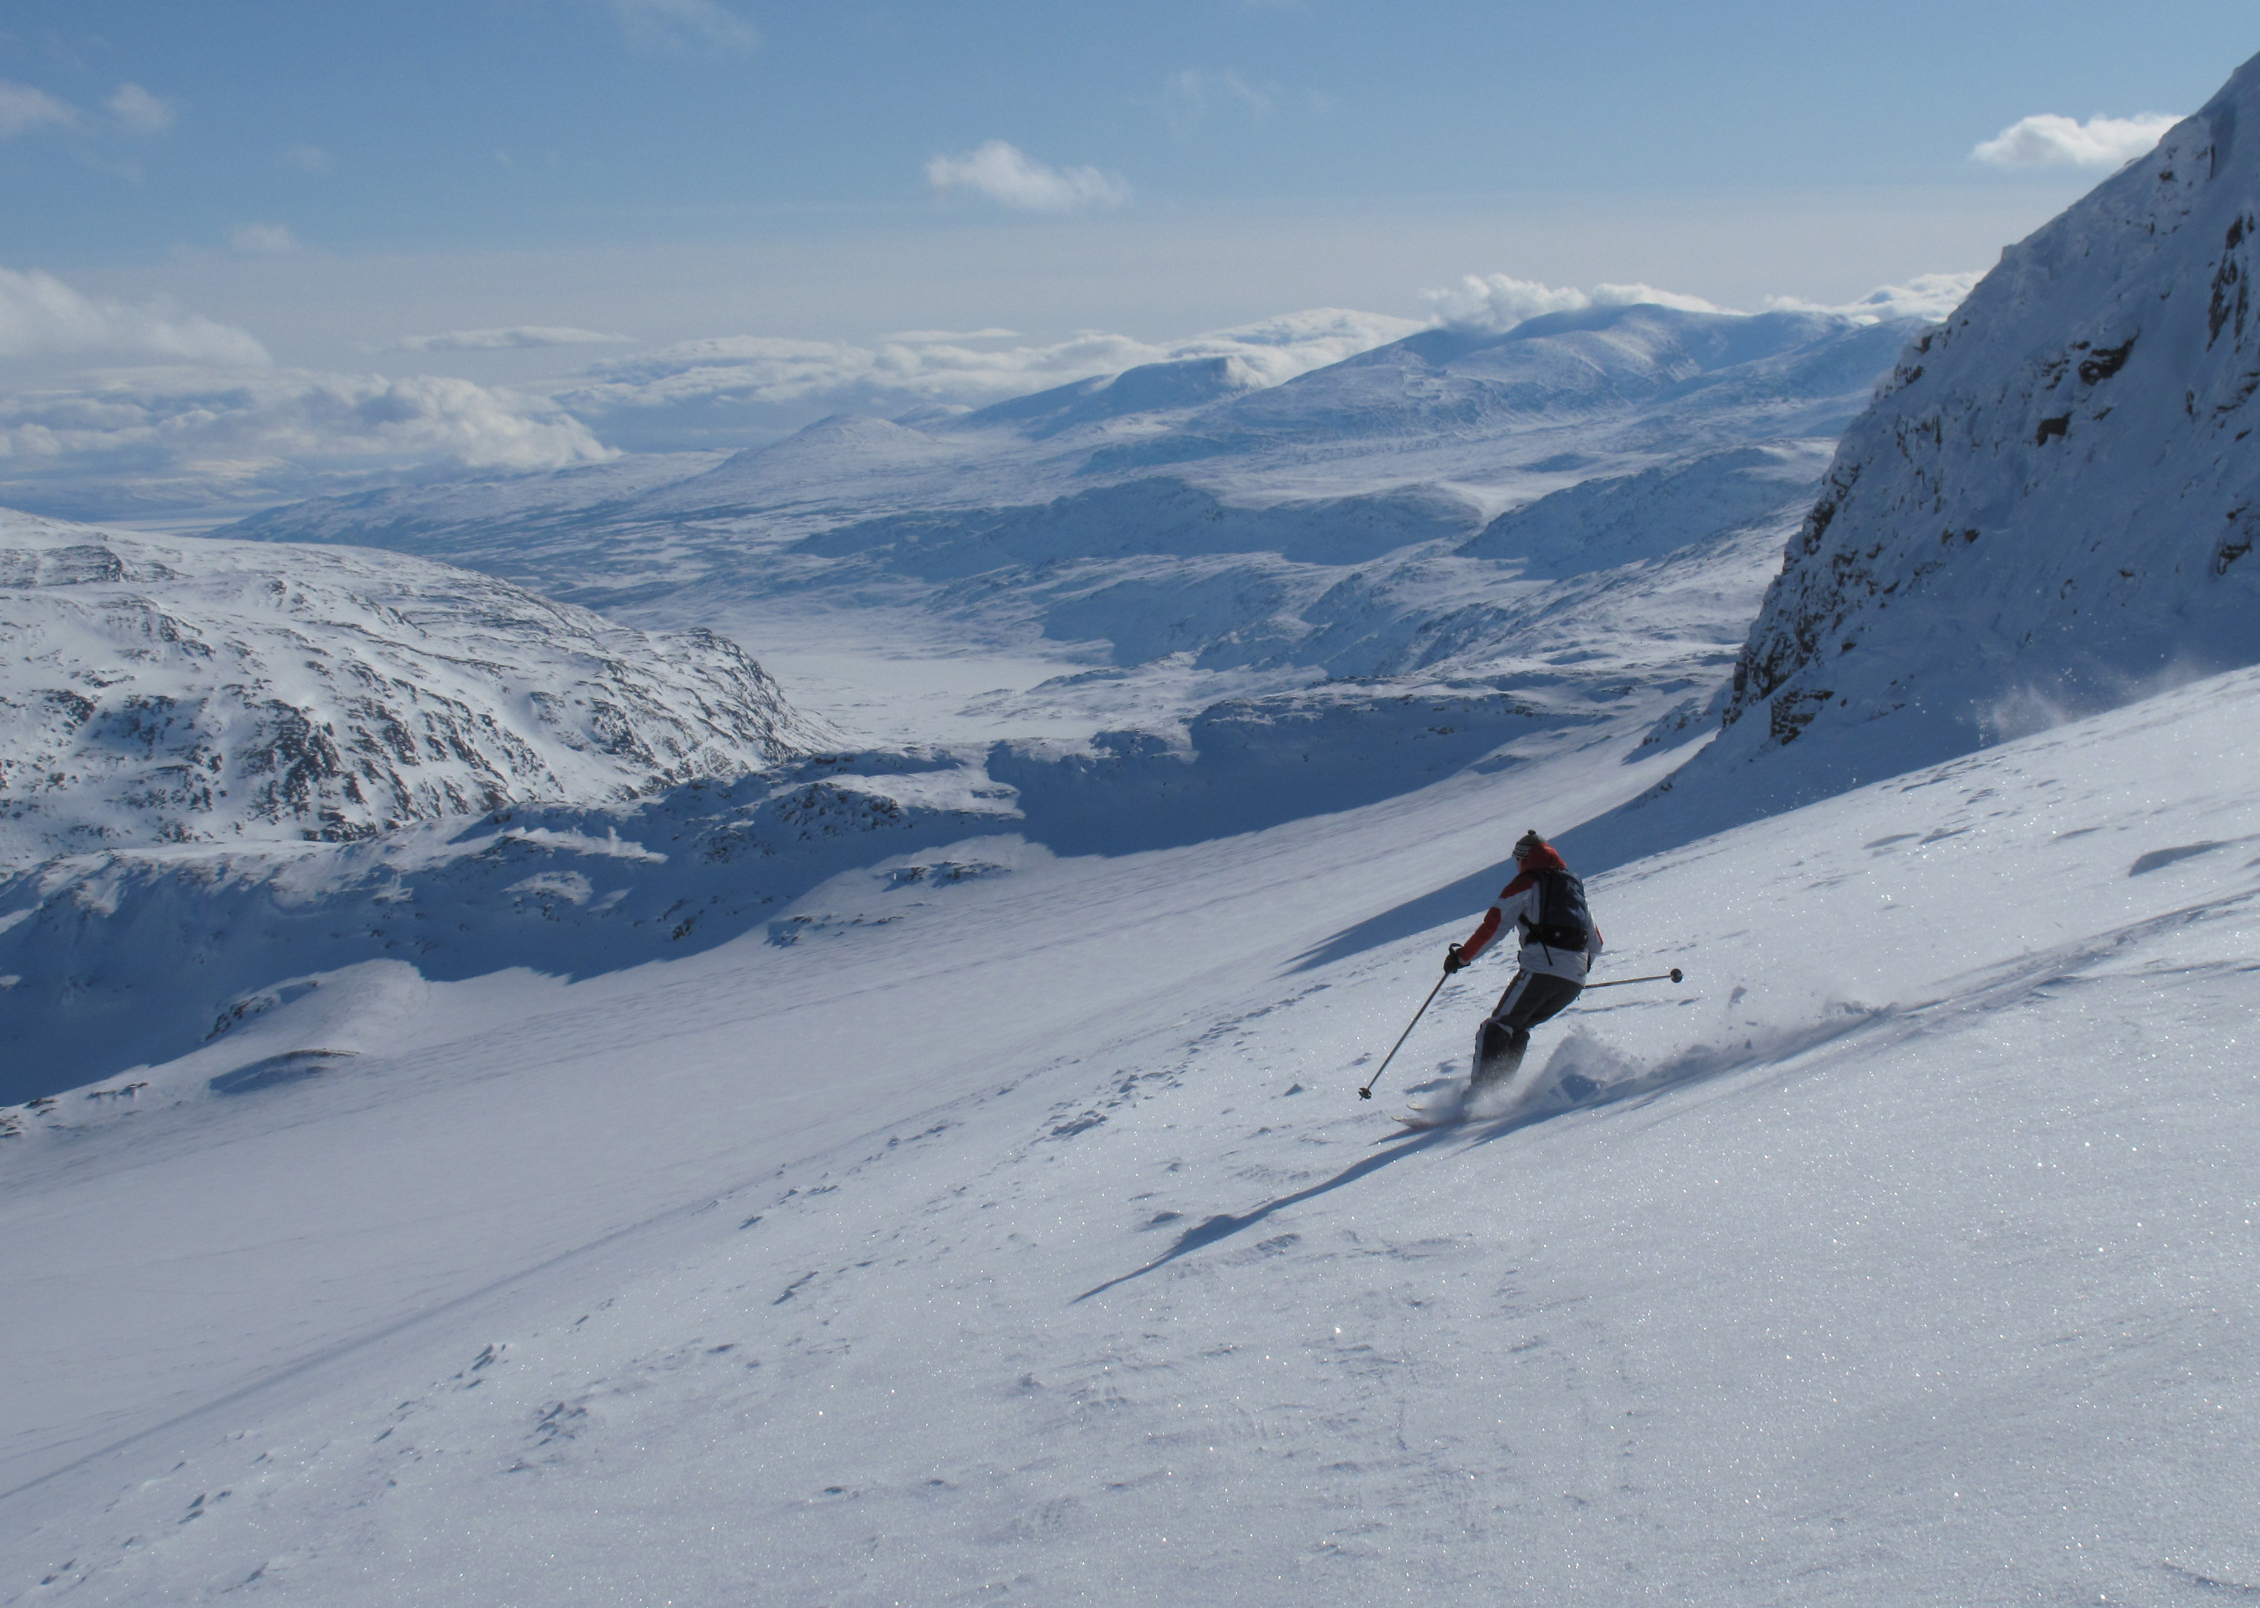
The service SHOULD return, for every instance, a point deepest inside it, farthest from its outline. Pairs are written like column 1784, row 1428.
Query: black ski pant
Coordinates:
column 1531, row 998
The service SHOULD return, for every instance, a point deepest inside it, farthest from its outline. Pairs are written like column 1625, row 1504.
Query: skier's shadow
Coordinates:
column 1224, row 1225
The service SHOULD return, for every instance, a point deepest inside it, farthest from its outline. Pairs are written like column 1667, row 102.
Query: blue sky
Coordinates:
column 415, row 125
column 338, row 184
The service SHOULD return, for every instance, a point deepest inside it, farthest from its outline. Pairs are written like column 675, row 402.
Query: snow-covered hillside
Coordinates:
column 189, row 691
column 1020, row 1236
column 2051, row 509
column 1356, row 687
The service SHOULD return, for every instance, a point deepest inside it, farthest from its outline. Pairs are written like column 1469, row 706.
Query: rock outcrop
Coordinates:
column 2050, row 507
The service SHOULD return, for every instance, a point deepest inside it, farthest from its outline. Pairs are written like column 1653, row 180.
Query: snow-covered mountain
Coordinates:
column 185, row 691
column 1630, row 376
column 2051, row 509
column 1503, row 417
column 1132, row 552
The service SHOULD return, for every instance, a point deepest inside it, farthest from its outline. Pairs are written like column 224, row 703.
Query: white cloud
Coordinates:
column 40, row 316
column 1496, row 303
column 1008, row 176
column 734, row 389
column 681, row 25
column 306, row 158
column 23, row 109
column 927, row 337
column 204, row 432
column 494, row 340
column 2049, row 140
column 1276, row 350
column 139, row 112
column 1927, row 296
column 205, row 417
column 1190, row 97
column 263, row 239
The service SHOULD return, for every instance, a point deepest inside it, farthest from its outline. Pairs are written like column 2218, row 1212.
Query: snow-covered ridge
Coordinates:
column 2051, row 506
column 190, row 690
column 1618, row 375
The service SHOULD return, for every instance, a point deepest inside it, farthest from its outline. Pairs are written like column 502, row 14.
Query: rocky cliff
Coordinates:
column 2051, row 506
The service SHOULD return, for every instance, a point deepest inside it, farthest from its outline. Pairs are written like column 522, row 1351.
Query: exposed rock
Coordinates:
column 2044, row 511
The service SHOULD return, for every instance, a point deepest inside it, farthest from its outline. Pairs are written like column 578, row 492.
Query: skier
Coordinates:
column 1559, row 944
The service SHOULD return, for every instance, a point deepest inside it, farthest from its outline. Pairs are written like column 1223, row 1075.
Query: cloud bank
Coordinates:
column 174, row 438
column 1929, row 297
column 40, row 316
column 148, row 417
column 516, row 337
column 2049, row 140
column 1492, row 304
column 1003, row 173
column 185, row 410
column 723, row 392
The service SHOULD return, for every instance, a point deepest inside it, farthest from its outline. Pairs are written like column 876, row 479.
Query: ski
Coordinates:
column 1426, row 1122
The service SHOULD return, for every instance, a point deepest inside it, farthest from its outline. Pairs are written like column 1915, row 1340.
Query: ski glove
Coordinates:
column 1453, row 960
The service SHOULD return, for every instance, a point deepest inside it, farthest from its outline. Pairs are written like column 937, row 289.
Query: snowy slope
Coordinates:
column 130, row 956
column 1031, row 1243
column 195, row 691
column 1613, row 519
column 1380, row 682
column 2050, row 509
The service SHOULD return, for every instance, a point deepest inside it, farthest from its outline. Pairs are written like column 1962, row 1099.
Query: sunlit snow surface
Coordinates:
column 1033, row 1246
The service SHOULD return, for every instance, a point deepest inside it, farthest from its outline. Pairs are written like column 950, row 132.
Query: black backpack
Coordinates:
column 1563, row 921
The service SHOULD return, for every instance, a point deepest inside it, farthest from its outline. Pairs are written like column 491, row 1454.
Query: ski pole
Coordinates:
column 1671, row 976
column 1366, row 1093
